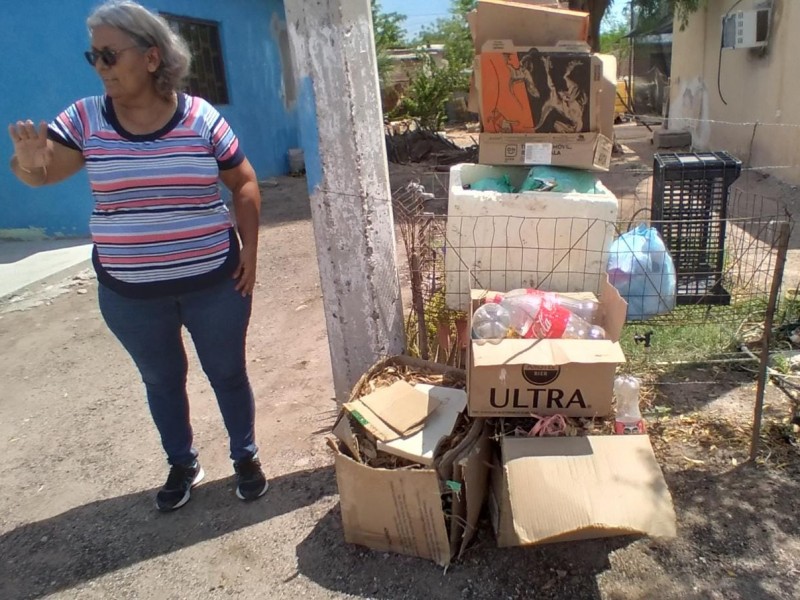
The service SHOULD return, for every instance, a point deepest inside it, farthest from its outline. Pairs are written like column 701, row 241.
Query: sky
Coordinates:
column 419, row 12
column 425, row 12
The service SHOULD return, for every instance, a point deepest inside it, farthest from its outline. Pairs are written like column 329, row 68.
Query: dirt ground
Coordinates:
column 80, row 463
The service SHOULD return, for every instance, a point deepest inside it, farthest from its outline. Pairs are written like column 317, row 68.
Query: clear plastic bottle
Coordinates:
column 523, row 311
column 556, row 321
column 490, row 322
column 629, row 418
column 588, row 310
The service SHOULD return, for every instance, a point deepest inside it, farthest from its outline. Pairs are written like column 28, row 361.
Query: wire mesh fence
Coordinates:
column 726, row 258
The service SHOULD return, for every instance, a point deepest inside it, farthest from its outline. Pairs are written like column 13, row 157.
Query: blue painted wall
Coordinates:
column 44, row 71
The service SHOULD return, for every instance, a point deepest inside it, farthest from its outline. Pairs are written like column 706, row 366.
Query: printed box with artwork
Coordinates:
column 540, row 89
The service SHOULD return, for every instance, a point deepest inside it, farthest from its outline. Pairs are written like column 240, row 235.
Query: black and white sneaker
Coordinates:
column 250, row 480
column 178, row 488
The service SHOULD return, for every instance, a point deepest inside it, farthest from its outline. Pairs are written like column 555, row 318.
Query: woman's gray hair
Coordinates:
column 147, row 30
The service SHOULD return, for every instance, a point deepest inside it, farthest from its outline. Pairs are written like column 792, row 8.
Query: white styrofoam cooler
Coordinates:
column 545, row 240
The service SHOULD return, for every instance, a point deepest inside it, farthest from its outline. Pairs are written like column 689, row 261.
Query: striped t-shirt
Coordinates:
column 159, row 225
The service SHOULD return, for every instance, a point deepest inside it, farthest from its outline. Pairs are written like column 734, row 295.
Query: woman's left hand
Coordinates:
column 241, row 181
column 246, row 271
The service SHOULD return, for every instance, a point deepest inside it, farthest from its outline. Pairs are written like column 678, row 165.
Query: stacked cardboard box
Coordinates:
column 414, row 471
column 552, row 489
column 543, row 97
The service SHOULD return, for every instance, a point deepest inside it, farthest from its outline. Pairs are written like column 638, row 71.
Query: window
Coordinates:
column 207, row 77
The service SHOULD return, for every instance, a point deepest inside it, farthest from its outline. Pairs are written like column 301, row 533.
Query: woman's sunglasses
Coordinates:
column 109, row 57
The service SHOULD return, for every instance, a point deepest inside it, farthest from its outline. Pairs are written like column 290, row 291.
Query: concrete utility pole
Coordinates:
column 341, row 124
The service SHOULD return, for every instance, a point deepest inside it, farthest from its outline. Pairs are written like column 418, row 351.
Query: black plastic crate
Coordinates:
column 689, row 209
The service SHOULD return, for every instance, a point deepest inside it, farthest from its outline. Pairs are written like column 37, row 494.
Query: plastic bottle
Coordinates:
column 490, row 322
column 588, row 310
column 629, row 417
column 523, row 311
column 556, row 321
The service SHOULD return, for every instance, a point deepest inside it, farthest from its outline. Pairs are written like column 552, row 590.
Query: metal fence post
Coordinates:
column 777, row 280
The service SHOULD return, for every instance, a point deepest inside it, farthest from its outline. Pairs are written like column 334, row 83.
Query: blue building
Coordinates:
column 244, row 67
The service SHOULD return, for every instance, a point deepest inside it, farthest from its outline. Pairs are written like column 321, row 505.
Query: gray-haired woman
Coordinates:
column 165, row 251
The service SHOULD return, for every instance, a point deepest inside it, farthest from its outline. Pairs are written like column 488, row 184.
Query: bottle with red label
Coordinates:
column 586, row 309
column 629, row 418
column 556, row 321
column 537, row 314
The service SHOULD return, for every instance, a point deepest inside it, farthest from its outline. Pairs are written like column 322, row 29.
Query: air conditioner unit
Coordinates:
column 746, row 28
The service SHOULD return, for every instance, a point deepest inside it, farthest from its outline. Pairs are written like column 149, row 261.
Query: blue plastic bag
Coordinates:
column 494, row 184
column 561, row 179
column 642, row 270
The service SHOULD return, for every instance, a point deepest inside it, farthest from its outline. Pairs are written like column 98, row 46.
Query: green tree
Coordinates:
column 682, row 9
column 597, row 10
column 613, row 40
column 428, row 93
column 645, row 9
column 453, row 33
column 389, row 33
column 432, row 85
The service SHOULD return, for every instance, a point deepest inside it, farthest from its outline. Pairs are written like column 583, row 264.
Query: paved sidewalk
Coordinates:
column 25, row 263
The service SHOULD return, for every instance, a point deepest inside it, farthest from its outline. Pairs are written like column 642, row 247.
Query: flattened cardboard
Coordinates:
column 475, row 472
column 527, row 24
column 569, row 488
column 471, row 475
column 540, row 89
column 590, row 151
column 420, row 446
column 370, row 421
column 401, row 406
column 458, row 507
column 514, row 377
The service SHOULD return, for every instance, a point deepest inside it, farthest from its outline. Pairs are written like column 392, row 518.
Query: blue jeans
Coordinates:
column 150, row 330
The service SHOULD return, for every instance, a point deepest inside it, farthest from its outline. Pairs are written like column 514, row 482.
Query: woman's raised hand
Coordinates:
column 30, row 144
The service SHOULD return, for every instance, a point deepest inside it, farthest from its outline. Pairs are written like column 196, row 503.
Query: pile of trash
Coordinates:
column 404, row 445
column 414, row 145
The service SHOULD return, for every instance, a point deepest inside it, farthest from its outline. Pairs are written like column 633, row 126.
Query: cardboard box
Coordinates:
column 402, row 510
column 573, row 488
column 606, row 89
column 590, row 151
column 585, row 150
column 539, row 89
column 518, row 377
column 526, row 24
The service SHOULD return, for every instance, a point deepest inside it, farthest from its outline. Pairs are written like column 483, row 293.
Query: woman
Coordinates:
column 165, row 251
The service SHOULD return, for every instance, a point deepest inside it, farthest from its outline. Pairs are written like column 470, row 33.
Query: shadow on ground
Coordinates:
column 737, row 538
column 557, row 571
column 95, row 539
